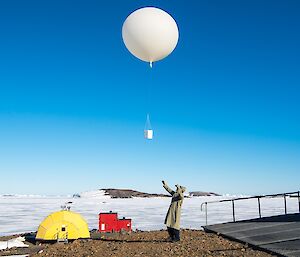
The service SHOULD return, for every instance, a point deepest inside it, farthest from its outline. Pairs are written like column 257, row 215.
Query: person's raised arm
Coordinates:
column 170, row 191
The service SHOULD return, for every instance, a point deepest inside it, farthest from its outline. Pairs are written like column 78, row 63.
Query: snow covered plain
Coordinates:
column 20, row 214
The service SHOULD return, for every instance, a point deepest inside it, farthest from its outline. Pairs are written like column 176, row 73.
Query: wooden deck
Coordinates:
column 277, row 234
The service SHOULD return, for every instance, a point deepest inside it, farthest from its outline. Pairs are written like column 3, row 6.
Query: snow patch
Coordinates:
column 16, row 242
column 98, row 194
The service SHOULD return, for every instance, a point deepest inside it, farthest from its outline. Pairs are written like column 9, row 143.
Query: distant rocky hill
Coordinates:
column 200, row 193
column 128, row 193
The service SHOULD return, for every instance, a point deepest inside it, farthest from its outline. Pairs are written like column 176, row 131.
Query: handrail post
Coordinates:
column 285, row 209
column 259, row 210
column 299, row 200
column 206, row 213
column 233, row 212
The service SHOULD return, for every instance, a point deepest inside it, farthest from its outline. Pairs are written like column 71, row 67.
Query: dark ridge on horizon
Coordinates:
column 129, row 193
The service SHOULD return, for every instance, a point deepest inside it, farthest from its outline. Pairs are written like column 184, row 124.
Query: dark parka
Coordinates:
column 173, row 216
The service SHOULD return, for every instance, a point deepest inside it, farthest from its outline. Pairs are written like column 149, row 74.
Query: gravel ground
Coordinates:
column 193, row 243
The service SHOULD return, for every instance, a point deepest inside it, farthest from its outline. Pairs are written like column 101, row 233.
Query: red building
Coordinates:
column 109, row 222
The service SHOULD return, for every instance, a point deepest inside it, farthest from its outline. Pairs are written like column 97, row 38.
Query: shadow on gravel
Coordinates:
column 30, row 237
column 227, row 250
column 134, row 241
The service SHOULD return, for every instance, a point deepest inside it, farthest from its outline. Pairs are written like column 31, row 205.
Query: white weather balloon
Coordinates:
column 150, row 34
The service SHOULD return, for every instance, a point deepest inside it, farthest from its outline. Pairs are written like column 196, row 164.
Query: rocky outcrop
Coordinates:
column 200, row 193
column 128, row 193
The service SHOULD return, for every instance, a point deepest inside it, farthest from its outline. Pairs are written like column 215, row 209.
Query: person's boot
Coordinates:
column 176, row 237
column 171, row 235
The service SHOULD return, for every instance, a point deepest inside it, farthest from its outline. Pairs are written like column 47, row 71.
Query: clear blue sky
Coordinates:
column 224, row 106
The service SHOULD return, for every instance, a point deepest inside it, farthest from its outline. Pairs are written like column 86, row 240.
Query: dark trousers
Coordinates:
column 174, row 233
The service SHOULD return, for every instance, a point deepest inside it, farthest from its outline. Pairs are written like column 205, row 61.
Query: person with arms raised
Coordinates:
column 172, row 220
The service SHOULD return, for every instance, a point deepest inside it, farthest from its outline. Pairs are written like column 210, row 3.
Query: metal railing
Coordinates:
column 284, row 195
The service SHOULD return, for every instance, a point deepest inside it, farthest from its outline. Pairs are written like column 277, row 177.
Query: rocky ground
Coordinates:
column 193, row 243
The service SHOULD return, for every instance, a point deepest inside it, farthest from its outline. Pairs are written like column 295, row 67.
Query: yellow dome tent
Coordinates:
column 63, row 225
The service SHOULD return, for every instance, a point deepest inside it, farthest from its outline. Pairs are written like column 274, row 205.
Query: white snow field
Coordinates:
column 19, row 214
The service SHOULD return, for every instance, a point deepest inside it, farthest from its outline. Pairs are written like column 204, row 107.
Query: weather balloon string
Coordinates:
column 148, row 131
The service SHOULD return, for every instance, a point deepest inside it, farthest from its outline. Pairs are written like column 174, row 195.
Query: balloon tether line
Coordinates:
column 148, row 123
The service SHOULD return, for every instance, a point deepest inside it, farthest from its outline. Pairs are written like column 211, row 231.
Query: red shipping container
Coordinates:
column 124, row 225
column 109, row 222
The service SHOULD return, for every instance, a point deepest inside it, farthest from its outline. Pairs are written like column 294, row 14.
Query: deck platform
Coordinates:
column 277, row 234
